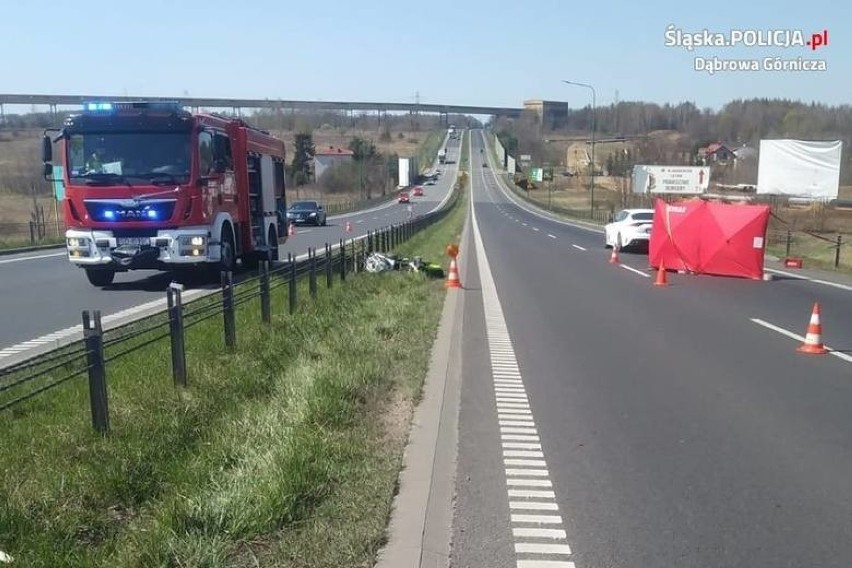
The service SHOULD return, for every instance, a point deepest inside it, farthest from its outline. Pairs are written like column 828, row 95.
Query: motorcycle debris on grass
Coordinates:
column 378, row 262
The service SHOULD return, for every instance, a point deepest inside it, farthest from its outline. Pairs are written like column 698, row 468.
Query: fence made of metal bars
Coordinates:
column 90, row 356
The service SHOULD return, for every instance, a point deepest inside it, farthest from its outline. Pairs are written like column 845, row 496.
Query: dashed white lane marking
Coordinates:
column 538, row 533
column 536, row 229
column 23, row 258
column 578, row 247
column 635, row 271
column 359, row 220
column 840, row 355
column 530, row 493
column 551, row 236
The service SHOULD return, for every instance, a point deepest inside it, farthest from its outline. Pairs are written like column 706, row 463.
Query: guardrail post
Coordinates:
column 93, row 335
column 312, row 255
column 837, row 251
column 176, row 333
column 228, row 309
column 342, row 261
column 265, row 306
column 329, row 273
column 32, row 233
column 292, row 282
column 789, row 241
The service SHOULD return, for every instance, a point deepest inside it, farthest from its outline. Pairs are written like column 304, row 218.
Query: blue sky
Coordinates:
column 464, row 51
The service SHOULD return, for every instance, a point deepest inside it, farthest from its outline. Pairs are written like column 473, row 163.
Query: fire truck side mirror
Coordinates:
column 46, row 150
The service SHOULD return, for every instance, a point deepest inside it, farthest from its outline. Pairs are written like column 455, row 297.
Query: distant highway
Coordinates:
column 608, row 422
column 44, row 294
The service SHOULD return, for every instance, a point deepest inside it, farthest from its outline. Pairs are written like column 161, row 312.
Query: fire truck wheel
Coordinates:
column 100, row 277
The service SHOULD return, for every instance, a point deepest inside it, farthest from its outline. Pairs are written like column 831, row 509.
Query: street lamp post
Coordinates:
column 594, row 120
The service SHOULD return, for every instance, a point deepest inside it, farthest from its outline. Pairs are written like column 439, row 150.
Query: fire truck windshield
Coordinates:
column 129, row 158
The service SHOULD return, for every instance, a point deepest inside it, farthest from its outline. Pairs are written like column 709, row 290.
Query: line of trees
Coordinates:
column 740, row 122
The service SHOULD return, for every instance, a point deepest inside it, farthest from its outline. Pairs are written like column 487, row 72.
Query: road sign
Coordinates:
column 536, row 174
column 526, row 157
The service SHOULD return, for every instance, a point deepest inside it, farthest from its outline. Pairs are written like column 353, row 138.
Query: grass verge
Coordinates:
column 427, row 151
column 285, row 453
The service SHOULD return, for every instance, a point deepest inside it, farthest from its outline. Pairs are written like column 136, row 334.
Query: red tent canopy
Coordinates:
column 709, row 238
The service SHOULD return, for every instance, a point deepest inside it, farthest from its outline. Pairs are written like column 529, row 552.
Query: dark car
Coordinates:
column 306, row 212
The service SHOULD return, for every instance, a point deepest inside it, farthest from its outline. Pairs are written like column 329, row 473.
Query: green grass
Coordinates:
column 427, row 151
column 464, row 160
column 285, row 453
column 816, row 252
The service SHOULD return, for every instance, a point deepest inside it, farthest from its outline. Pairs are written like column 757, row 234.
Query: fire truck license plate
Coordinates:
column 135, row 241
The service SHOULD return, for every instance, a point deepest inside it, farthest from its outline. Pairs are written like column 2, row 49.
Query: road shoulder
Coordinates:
column 420, row 528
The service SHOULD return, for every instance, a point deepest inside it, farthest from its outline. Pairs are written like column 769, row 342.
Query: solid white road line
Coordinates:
column 578, row 247
column 840, row 355
column 23, row 258
column 809, row 279
column 635, row 271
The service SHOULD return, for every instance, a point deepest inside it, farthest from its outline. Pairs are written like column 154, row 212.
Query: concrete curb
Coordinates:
column 420, row 529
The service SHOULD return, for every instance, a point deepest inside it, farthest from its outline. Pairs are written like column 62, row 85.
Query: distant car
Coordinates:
column 403, row 198
column 484, row 164
column 418, row 191
column 629, row 227
column 306, row 213
column 430, row 182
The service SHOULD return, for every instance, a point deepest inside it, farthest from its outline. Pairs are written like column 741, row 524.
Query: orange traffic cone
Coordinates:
column 662, row 277
column 292, row 230
column 348, row 227
column 813, row 338
column 613, row 258
column 453, row 277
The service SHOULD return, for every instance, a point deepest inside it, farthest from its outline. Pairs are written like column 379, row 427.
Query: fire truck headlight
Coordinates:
column 78, row 243
column 197, row 241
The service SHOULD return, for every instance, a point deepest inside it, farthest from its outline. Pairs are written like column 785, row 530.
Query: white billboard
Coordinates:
column 404, row 172
column 799, row 168
column 685, row 180
column 511, row 167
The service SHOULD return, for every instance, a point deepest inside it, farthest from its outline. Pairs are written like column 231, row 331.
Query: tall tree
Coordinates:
column 303, row 156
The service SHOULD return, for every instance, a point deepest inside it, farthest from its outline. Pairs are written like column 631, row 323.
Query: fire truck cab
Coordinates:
column 149, row 185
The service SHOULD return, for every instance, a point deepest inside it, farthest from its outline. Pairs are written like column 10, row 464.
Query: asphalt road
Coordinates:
column 675, row 431
column 42, row 293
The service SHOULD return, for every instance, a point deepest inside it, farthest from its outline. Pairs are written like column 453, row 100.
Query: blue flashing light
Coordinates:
column 98, row 107
column 152, row 214
column 109, row 214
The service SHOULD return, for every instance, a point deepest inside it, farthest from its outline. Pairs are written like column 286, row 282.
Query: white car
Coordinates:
column 629, row 227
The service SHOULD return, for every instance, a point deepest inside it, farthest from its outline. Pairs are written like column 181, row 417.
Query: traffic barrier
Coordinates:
column 813, row 337
column 93, row 354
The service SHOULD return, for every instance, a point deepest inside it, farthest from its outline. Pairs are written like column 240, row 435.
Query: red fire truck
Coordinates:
column 149, row 185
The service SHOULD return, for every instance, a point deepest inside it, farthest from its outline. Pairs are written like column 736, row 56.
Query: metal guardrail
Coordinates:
column 90, row 357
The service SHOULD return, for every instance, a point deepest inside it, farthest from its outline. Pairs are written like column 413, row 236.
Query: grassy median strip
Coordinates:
column 427, row 151
column 285, row 453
